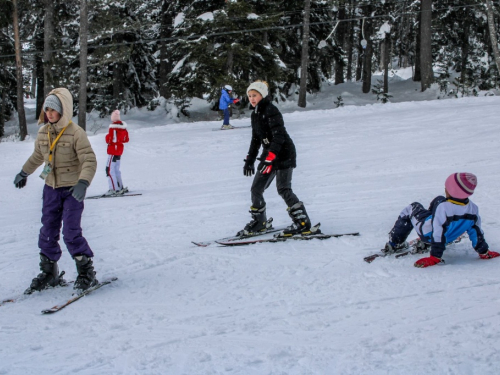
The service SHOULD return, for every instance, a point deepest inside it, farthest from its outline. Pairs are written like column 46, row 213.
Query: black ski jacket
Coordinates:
column 268, row 130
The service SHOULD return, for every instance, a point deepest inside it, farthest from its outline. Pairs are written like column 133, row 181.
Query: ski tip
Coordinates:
column 200, row 244
column 49, row 311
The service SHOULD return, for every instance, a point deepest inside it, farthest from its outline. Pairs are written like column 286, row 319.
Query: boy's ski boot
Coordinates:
column 301, row 223
column 391, row 247
column 228, row 126
column 49, row 277
column 421, row 247
column 257, row 224
column 86, row 274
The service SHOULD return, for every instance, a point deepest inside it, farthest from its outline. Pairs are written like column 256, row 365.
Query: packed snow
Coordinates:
column 299, row 307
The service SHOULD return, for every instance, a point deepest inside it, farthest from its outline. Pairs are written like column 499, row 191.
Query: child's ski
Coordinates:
column 56, row 308
column 236, row 238
column 410, row 249
column 113, row 196
column 234, row 127
column 278, row 238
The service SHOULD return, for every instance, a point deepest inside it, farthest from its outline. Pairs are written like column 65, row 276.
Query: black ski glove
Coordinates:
column 21, row 179
column 248, row 168
column 79, row 190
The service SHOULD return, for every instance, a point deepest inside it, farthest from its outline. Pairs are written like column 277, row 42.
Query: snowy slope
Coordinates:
column 287, row 308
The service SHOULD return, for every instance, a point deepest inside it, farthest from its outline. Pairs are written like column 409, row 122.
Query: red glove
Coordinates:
column 236, row 100
column 266, row 166
column 427, row 262
column 489, row 254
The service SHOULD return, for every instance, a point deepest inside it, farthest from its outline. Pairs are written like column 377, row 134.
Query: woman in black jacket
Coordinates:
column 278, row 159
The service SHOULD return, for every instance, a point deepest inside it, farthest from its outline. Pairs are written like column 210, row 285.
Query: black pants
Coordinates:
column 403, row 226
column 283, row 183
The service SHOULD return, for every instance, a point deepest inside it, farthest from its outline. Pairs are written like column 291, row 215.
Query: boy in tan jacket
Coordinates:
column 69, row 167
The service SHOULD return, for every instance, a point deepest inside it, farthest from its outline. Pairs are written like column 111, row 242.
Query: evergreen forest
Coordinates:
column 123, row 54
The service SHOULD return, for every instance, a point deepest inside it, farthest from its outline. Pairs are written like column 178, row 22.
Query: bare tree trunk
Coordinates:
column 341, row 35
column 39, row 94
column 165, row 32
column 33, row 81
column 426, row 45
column 3, row 98
column 385, row 52
column 361, row 54
column 23, row 129
column 349, row 46
column 305, row 55
column 417, row 75
column 493, row 34
column 82, row 97
column 367, row 61
column 48, row 26
column 465, row 50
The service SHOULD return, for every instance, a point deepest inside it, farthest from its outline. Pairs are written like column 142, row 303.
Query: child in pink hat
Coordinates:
column 116, row 137
column 446, row 219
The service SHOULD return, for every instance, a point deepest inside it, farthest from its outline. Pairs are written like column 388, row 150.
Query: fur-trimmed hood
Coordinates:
column 67, row 104
column 121, row 125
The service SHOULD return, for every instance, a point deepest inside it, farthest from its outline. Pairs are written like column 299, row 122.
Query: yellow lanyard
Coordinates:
column 53, row 145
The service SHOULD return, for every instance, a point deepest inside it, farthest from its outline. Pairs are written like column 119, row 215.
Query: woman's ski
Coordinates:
column 315, row 234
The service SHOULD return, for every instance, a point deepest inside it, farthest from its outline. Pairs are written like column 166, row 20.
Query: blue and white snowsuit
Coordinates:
column 224, row 102
column 443, row 222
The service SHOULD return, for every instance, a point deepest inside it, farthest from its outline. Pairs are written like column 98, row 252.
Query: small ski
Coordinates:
column 410, row 249
column 234, row 127
column 420, row 251
column 57, row 308
column 236, row 238
column 9, row 300
column 278, row 238
column 27, row 292
column 113, row 196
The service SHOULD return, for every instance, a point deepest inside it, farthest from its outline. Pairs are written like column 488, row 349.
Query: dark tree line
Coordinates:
column 130, row 53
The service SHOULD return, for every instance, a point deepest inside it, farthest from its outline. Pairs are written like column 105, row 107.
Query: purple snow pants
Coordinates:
column 60, row 208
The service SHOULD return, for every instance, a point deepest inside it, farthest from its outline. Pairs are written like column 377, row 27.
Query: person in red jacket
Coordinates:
column 116, row 137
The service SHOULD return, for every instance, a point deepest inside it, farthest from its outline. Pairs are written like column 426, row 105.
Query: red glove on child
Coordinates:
column 236, row 100
column 489, row 254
column 427, row 262
column 266, row 166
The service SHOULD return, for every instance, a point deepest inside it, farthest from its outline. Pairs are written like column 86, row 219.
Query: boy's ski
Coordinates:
column 236, row 238
column 114, row 196
column 412, row 248
column 278, row 238
column 56, row 308
column 234, row 127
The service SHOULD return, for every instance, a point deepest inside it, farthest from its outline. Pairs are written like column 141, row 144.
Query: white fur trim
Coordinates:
column 123, row 125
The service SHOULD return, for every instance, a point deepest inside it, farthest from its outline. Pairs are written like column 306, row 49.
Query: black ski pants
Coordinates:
column 283, row 183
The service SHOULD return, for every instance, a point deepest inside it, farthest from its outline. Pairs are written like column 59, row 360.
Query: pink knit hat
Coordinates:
column 115, row 116
column 461, row 185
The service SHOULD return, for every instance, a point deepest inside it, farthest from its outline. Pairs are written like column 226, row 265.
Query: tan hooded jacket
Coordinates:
column 73, row 158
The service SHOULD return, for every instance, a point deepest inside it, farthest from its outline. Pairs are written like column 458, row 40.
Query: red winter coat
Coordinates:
column 117, row 136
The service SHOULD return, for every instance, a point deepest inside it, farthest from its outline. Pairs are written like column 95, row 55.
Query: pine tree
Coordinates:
column 122, row 65
column 211, row 51
column 7, row 67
